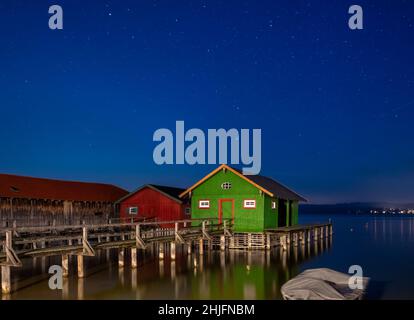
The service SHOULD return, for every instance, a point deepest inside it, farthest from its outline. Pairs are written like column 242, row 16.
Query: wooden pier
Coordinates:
column 85, row 239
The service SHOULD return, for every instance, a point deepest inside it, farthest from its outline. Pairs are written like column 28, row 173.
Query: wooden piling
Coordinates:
column 134, row 258
column 5, row 280
column 121, row 257
column 172, row 250
column 201, row 246
column 161, row 251
column 5, row 270
column 267, row 242
column 222, row 242
column 65, row 265
column 189, row 247
column 81, row 267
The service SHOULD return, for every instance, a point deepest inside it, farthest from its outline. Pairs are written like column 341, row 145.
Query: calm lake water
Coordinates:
column 382, row 245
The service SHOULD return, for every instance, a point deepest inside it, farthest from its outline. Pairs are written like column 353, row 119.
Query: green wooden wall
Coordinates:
column 245, row 219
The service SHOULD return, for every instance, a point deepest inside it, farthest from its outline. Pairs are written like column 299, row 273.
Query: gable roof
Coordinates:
column 265, row 184
column 170, row 192
column 12, row 186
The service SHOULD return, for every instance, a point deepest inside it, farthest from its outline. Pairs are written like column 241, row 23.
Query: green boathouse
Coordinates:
column 254, row 203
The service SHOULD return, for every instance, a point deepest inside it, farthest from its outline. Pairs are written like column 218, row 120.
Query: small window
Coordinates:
column 14, row 189
column 226, row 185
column 273, row 204
column 249, row 204
column 187, row 211
column 133, row 210
column 204, row 204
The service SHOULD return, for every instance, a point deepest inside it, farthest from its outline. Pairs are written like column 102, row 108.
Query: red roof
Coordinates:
column 12, row 186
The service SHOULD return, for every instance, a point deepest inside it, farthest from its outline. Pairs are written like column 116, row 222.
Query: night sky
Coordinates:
column 335, row 106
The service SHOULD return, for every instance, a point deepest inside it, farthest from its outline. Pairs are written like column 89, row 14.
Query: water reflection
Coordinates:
column 230, row 274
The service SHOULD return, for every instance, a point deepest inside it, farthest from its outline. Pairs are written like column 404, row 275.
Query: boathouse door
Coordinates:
column 226, row 209
column 281, row 215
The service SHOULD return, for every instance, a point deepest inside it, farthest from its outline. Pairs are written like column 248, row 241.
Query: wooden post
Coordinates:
column 330, row 230
column 189, row 247
column 5, row 270
column 161, row 251
column 5, row 280
column 308, row 235
column 172, row 250
column 295, row 239
column 315, row 234
column 134, row 259
column 249, row 241
column 232, row 242
column 81, row 267
column 222, row 242
column 65, row 265
column 267, row 241
column 284, row 242
column 121, row 257
column 176, row 231
column 201, row 246
column 321, row 230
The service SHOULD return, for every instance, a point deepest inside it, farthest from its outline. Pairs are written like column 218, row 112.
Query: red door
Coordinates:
column 226, row 210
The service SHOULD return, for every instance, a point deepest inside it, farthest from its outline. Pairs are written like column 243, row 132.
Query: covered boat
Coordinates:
column 322, row 284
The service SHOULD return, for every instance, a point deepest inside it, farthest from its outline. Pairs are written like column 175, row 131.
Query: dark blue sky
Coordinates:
column 335, row 106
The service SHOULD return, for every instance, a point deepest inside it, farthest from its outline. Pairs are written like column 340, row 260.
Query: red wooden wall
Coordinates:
column 152, row 203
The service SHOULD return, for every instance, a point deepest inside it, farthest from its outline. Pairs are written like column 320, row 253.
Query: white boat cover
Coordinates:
column 322, row 284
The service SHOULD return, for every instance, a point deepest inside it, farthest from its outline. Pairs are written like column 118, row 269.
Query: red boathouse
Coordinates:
column 161, row 203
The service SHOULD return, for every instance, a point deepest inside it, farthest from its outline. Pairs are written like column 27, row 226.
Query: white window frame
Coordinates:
column 274, row 205
column 131, row 209
column 249, row 204
column 204, row 204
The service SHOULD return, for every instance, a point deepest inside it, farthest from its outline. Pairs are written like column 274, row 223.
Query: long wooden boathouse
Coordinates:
column 191, row 234
column 28, row 201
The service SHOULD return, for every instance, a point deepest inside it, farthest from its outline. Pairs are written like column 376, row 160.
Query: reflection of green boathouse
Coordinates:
column 251, row 274
column 254, row 203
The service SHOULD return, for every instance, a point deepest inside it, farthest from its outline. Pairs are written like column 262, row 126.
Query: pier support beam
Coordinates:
column 201, row 246
column 5, row 270
column 5, row 280
column 189, row 247
column 172, row 250
column 161, row 251
column 121, row 257
column 283, row 242
column 81, row 267
column 65, row 265
column 315, row 234
column 134, row 258
column 222, row 243
column 267, row 246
